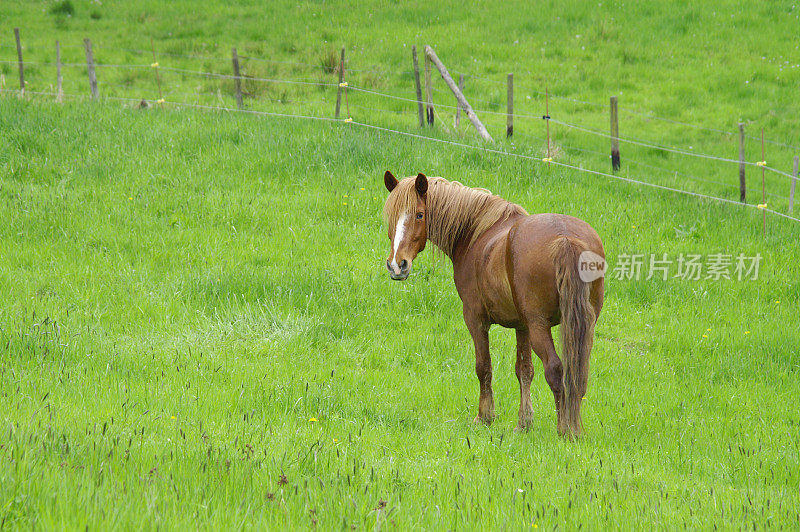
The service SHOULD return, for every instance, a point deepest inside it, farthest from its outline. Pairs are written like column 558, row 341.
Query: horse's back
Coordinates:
column 541, row 229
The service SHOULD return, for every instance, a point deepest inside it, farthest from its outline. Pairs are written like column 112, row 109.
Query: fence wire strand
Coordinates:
column 452, row 107
column 441, row 141
column 669, row 149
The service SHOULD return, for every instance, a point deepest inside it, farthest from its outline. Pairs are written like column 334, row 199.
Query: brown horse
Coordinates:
column 519, row 271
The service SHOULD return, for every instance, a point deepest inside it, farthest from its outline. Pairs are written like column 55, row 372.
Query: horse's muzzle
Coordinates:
column 399, row 272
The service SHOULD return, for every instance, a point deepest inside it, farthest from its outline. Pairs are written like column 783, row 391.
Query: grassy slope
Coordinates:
column 184, row 295
column 206, row 267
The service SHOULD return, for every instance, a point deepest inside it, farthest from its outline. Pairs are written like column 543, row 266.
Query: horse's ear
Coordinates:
column 389, row 180
column 421, row 184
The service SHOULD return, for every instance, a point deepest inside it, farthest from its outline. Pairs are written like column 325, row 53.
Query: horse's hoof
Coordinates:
column 481, row 420
column 568, row 434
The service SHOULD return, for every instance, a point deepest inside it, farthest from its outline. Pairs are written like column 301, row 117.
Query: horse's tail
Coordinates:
column 577, row 330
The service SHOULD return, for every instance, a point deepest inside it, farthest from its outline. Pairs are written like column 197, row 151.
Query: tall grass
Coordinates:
column 196, row 328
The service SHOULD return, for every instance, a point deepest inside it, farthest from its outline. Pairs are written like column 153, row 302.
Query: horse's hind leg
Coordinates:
column 479, row 330
column 524, row 376
column 542, row 342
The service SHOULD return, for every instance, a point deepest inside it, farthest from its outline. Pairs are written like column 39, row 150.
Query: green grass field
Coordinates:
column 197, row 329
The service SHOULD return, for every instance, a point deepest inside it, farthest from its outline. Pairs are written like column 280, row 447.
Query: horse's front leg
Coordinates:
column 479, row 329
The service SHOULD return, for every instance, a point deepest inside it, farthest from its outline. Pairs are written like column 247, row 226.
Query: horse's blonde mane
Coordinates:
column 455, row 211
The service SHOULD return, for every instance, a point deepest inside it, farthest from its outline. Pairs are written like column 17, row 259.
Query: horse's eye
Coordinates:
column 419, row 216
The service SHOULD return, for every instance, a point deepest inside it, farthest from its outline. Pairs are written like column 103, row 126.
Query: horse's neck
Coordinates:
column 459, row 235
column 462, row 235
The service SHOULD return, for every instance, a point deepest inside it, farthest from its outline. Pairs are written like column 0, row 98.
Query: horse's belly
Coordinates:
column 503, row 312
column 494, row 285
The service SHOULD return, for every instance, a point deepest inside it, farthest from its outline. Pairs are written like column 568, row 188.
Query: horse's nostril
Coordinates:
column 403, row 264
column 388, row 265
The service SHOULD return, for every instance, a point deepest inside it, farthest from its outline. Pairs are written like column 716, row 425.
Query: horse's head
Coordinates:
column 408, row 231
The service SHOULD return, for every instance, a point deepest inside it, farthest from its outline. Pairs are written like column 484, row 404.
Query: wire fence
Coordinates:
column 326, row 69
column 561, row 141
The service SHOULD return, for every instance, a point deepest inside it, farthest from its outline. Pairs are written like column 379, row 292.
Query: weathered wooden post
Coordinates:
column 615, row 160
column 510, row 112
column 21, row 64
column 90, row 68
column 458, row 105
column 742, row 165
column 794, row 182
column 418, row 87
column 428, row 89
column 459, row 96
column 59, row 89
column 237, row 78
column 341, row 85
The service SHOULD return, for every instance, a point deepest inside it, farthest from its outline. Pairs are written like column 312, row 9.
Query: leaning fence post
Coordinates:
column 459, row 95
column 742, row 183
column 21, row 65
column 510, row 114
column 237, row 78
column 90, row 67
column 341, row 81
column 794, row 182
column 59, row 90
column 428, row 90
column 615, row 161
column 418, row 87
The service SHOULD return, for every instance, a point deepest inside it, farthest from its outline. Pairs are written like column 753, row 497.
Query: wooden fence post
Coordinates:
column 59, row 89
column 155, row 66
column 418, row 87
column 21, row 64
column 615, row 160
column 90, row 67
column 428, row 89
column 510, row 113
column 341, row 81
column 742, row 183
column 794, row 182
column 547, row 118
column 237, row 79
column 453, row 87
column 458, row 105
column 763, row 188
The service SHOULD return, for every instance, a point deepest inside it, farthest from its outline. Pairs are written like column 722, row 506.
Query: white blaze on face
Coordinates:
column 399, row 233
